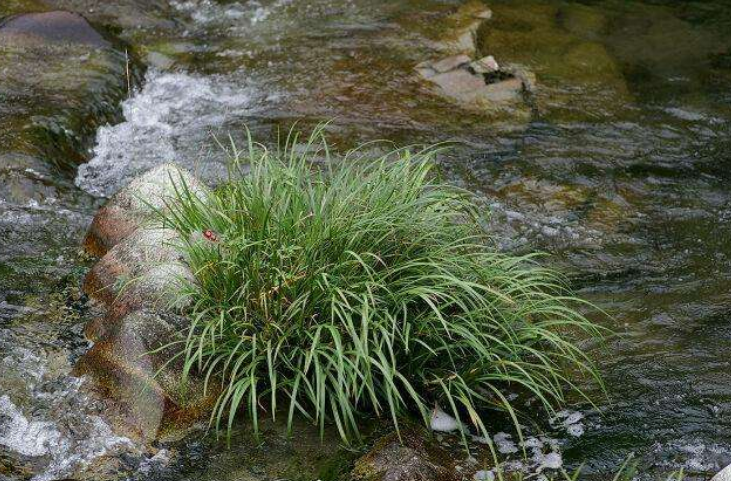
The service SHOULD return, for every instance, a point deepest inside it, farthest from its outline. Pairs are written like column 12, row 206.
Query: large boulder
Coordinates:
column 60, row 80
column 147, row 269
column 413, row 457
column 136, row 206
column 136, row 362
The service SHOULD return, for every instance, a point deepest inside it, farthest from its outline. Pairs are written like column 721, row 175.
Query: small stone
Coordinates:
column 485, row 65
column 440, row 421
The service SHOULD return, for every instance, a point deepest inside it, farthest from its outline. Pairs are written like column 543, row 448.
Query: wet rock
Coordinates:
column 135, row 19
column 135, row 363
column 135, row 206
column 413, row 458
column 145, row 270
column 475, row 85
column 65, row 79
column 56, row 27
column 579, row 78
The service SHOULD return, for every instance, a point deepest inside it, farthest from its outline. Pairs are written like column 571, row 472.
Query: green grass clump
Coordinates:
column 363, row 286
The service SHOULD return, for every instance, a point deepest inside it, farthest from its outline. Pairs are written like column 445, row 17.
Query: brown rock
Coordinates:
column 413, row 458
column 146, row 269
column 135, row 361
column 136, row 206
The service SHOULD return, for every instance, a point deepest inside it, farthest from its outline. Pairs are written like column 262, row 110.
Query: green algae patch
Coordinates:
column 577, row 77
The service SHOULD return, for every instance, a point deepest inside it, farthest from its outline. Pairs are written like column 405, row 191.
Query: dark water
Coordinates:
column 618, row 166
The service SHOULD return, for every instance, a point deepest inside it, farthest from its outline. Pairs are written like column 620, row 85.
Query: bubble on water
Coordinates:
column 167, row 120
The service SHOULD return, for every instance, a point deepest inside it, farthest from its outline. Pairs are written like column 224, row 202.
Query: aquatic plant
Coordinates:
column 329, row 289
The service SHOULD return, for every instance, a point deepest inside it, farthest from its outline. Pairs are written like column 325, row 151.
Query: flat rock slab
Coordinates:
column 56, row 26
column 456, row 79
column 135, row 362
column 135, row 206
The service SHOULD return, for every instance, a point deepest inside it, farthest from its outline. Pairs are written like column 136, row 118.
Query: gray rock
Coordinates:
column 56, row 27
column 135, row 206
column 147, row 269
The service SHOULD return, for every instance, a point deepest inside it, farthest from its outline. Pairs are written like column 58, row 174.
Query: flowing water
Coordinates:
column 618, row 166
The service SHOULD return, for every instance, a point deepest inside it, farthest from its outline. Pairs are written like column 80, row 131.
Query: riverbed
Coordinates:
column 617, row 166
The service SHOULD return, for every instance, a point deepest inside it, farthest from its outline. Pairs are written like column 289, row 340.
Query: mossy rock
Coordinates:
column 61, row 80
column 412, row 456
column 578, row 79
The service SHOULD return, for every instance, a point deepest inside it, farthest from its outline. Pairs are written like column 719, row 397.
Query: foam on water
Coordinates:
column 23, row 436
column 208, row 12
column 51, row 420
column 167, row 120
column 69, row 442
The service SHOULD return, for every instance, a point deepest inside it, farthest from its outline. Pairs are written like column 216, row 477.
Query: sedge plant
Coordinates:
column 333, row 290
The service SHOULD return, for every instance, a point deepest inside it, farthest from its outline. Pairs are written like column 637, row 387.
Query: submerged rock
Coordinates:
column 135, row 205
column 412, row 458
column 480, row 84
column 579, row 78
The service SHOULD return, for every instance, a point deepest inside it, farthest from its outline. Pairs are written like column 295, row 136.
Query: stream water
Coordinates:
column 618, row 166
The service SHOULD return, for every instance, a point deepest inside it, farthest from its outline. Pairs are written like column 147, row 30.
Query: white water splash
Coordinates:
column 209, row 12
column 19, row 434
column 168, row 120
column 51, row 418
column 67, row 452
